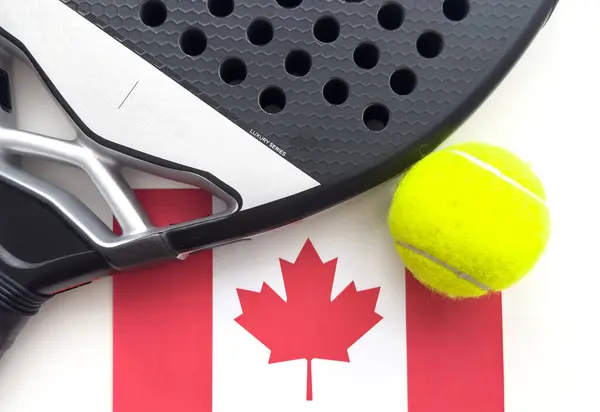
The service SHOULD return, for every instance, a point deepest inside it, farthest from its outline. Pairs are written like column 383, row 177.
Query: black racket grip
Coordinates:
column 11, row 324
column 17, row 305
column 41, row 255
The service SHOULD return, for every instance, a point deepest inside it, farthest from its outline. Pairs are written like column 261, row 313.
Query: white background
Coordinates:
column 547, row 112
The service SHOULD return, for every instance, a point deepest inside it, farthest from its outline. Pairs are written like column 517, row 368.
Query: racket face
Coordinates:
column 288, row 106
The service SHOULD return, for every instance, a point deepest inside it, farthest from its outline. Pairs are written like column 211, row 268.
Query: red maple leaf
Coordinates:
column 309, row 325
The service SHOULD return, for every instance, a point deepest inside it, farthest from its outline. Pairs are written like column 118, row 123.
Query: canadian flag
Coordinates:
column 316, row 316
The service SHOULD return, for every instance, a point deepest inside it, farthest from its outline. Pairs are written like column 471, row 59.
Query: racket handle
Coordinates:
column 17, row 305
column 11, row 324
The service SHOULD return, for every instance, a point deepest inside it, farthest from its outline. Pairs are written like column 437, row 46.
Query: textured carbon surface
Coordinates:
column 325, row 140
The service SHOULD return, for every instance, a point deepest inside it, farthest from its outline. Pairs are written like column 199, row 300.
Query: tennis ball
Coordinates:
column 469, row 220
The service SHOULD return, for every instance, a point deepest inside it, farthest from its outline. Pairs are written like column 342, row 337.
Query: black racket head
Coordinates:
column 288, row 106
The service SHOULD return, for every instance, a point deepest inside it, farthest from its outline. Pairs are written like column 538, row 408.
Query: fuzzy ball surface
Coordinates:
column 470, row 220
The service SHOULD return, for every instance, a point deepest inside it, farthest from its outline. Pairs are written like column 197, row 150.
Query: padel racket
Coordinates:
column 281, row 108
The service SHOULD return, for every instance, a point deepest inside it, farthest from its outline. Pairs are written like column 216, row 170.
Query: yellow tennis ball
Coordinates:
column 470, row 220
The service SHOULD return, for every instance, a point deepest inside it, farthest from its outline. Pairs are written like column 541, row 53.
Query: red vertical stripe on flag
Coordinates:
column 455, row 352
column 163, row 320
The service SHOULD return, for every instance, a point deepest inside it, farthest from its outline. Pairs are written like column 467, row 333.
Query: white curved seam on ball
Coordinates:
column 499, row 174
column 462, row 275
